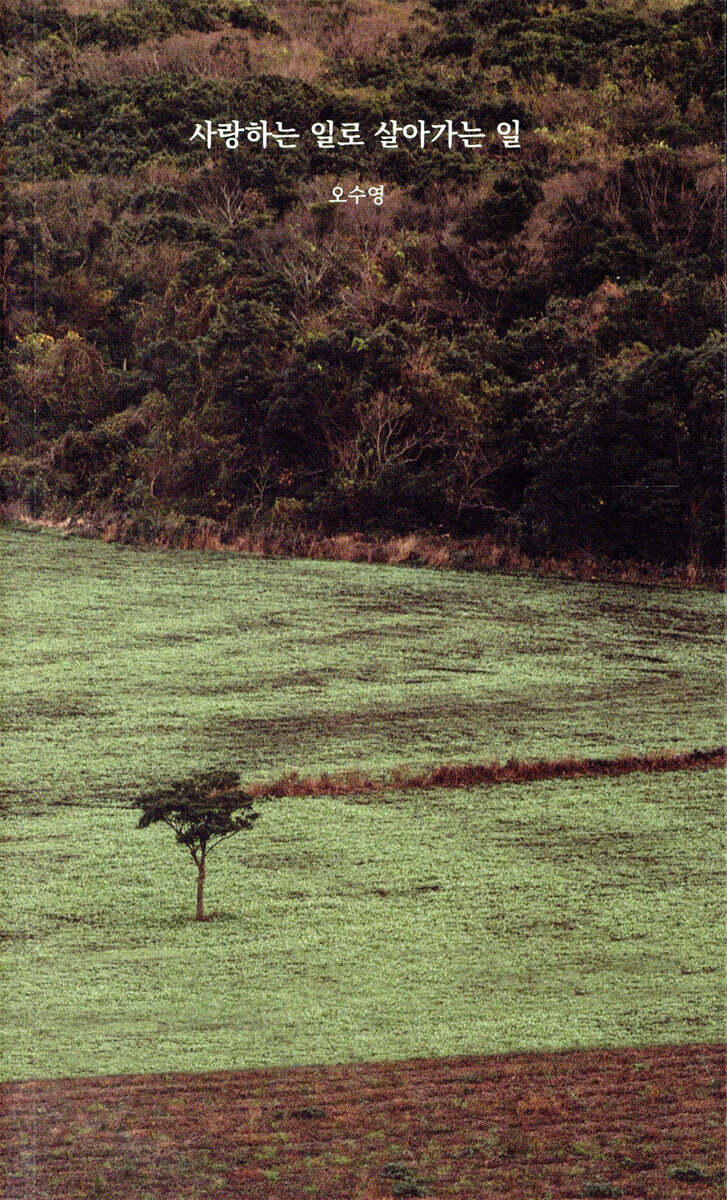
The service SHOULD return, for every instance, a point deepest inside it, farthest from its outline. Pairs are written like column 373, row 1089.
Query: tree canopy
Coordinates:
column 202, row 811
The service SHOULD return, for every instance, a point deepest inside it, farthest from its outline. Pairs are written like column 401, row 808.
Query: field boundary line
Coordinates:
column 464, row 775
column 446, row 552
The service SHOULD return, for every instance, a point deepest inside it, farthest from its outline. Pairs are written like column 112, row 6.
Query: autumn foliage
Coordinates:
column 521, row 345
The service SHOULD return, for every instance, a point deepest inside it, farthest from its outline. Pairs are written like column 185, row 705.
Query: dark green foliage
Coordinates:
column 29, row 20
column 109, row 128
column 518, row 343
column 688, row 51
column 505, row 212
column 552, row 45
column 143, row 19
column 682, row 311
column 457, row 40
column 660, row 203
column 633, row 465
column 127, row 25
column 245, row 14
column 202, row 811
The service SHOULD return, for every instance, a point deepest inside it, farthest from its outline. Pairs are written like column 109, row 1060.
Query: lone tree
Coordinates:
column 202, row 810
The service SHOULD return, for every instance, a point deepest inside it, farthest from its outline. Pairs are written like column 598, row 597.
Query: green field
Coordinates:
column 551, row 915
column 546, row 915
column 122, row 665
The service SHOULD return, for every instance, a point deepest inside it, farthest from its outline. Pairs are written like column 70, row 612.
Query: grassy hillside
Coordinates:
column 553, row 915
column 566, row 913
column 520, row 342
column 125, row 667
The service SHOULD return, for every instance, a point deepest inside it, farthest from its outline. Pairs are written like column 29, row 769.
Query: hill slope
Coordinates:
column 518, row 341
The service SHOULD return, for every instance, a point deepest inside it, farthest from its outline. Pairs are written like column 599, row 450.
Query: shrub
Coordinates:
column 245, row 14
column 689, row 1172
column 403, row 1180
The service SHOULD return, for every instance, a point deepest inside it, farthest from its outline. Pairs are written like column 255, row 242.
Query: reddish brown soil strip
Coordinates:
column 631, row 1123
column 453, row 775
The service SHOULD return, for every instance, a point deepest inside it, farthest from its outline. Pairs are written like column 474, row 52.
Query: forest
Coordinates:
column 522, row 342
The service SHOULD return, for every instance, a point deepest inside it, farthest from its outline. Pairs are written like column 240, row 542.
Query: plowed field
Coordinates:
column 629, row 1123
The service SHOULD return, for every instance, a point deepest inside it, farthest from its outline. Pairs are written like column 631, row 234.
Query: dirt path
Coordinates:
column 629, row 1123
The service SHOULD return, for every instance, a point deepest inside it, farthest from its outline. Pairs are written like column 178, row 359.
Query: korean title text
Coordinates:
column 391, row 135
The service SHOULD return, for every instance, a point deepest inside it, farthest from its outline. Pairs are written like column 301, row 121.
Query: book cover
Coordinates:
column 361, row 442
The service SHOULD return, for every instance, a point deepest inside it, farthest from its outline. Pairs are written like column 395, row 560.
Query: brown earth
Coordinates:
column 464, row 775
column 642, row 1122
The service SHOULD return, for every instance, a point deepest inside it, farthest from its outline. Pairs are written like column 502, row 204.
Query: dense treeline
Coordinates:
column 524, row 342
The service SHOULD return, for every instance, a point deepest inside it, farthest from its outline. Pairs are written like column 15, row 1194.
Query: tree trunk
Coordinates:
column 200, row 891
